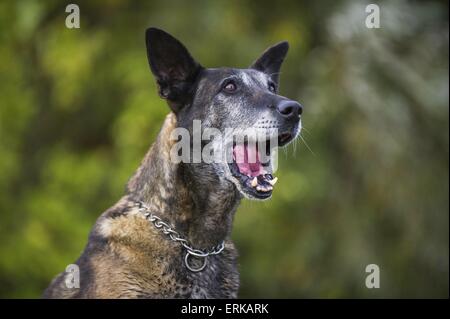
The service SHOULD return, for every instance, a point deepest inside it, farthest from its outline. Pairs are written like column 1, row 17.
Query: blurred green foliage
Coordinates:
column 79, row 109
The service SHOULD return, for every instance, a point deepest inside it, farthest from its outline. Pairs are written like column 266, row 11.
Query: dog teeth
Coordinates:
column 262, row 184
column 273, row 181
column 264, row 188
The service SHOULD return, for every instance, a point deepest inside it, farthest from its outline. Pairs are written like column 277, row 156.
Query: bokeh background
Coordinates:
column 79, row 109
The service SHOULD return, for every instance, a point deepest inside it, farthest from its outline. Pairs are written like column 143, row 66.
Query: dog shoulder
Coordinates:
column 124, row 258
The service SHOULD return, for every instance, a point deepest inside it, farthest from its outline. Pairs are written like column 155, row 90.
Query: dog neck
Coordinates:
column 202, row 210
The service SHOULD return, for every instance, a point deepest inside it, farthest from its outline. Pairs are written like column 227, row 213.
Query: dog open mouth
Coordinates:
column 252, row 166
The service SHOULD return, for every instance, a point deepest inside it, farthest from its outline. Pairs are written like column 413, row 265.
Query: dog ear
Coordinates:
column 173, row 67
column 270, row 61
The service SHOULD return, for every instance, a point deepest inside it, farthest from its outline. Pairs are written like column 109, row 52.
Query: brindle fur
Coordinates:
column 126, row 256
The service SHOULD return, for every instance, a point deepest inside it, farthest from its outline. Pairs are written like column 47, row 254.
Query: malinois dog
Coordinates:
column 169, row 235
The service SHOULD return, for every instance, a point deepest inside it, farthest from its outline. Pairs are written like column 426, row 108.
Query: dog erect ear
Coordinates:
column 172, row 65
column 270, row 61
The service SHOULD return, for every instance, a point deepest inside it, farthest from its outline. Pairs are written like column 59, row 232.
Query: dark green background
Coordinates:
column 79, row 109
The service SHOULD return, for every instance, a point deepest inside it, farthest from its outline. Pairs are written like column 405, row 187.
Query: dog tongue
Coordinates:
column 247, row 160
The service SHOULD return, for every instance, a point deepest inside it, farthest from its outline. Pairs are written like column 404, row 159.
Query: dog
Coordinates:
column 169, row 235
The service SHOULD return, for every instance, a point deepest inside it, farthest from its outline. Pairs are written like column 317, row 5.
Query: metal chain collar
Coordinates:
column 167, row 229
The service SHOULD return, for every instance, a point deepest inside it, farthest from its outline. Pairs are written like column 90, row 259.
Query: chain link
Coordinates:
column 175, row 236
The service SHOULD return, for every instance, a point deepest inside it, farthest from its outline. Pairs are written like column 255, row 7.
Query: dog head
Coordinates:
column 242, row 104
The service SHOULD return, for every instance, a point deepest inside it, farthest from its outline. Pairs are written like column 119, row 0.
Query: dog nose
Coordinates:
column 289, row 109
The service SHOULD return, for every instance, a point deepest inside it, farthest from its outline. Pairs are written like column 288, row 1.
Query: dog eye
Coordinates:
column 230, row 87
column 272, row 88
